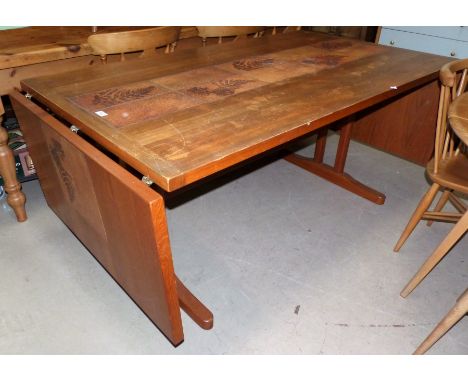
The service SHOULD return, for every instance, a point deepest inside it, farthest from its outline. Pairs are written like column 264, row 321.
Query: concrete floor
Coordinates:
column 288, row 264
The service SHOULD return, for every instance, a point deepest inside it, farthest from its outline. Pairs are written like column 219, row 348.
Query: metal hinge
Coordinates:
column 147, row 180
column 74, row 129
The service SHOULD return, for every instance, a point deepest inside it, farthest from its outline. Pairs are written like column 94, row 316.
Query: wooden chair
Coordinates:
column 146, row 40
column 285, row 30
column 448, row 171
column 452, row 317
column 236, row 32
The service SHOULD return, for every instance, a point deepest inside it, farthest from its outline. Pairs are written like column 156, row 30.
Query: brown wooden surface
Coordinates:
column 10, row 78
column 224, row 31
column 28, row 52
column 452, row 174
column 458, row 116
column 38, row 51
column 448, row 171
column 145, row 40
column 192, row 306
column 358, row 32
column 342, row 77
column 35, row 51
column 220, row 32
column 31, row 45
column 404, row 126
column 118, row 218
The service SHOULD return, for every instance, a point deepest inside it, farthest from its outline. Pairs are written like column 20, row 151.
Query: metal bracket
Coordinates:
column 28, row 96
column 74, row 129
column 147, row 180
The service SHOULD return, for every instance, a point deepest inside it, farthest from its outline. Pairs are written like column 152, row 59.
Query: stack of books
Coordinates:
column 25, row 170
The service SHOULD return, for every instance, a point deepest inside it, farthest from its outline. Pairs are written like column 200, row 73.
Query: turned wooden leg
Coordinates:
column 417, row 215
column 452, row 317
column 440, row 204
column 15, row 197
column 453, row 236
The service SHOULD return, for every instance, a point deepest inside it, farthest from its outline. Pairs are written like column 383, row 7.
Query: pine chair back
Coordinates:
column 286, row 29
column 454, row 79
column 225, row 31
column 145, row 40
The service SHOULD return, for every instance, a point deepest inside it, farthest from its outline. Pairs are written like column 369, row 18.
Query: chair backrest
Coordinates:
column 454, row 79
column 225, row 31
column 145, row 40
column 286, row 29
column 291, row 29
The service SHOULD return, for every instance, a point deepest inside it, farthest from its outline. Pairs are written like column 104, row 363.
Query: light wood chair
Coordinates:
column 454, row 315
column 448, row 171
column 225, row 31
column 286, row 29
column 145, row 40
column 289, row 29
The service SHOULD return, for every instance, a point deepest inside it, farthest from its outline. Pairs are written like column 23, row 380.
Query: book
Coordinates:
column 24, row 165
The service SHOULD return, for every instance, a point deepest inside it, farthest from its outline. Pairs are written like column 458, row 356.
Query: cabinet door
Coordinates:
column 118, row 218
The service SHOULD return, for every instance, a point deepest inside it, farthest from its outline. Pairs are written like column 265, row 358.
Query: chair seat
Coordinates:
column 452, row 174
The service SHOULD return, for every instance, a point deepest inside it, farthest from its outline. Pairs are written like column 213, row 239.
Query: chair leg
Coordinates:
column 457, row 203
column 417, row 214
column 452, row 317
column 456, row 233
column 440, row 204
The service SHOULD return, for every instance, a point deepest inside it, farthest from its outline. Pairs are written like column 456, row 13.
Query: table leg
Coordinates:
column 194, row 307
column 15, row 197
column 336, row 173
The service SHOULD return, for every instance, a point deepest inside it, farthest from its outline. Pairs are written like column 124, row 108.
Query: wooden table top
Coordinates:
column 180, row 117
column 31, row 45
column 458, row 116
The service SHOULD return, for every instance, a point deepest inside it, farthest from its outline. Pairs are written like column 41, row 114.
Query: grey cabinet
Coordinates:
column 451, row 41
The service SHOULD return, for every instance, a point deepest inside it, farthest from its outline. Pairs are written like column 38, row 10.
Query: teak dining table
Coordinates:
column 180, row 118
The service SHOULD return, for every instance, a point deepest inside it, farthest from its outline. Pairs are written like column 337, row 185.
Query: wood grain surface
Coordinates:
column 118, row 218
column 188, row 138
column 404, row 126
column 31, row 45
column 145, row 40
column 458, row 116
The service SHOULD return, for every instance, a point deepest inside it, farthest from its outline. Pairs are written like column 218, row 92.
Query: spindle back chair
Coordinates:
column 145, row 40
column 448, row 171
column 227, row 31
